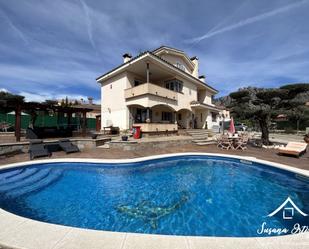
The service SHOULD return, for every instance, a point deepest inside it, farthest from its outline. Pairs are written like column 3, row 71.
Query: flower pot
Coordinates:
column 124, row 138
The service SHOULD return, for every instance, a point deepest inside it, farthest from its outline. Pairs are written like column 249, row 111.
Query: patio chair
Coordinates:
column 294, row 149
column 218, row 139
column 38, row 149
column 241, row 143
column 67, row 146
column 226, row 143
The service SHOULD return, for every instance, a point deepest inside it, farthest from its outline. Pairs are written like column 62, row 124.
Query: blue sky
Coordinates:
column 50, row 49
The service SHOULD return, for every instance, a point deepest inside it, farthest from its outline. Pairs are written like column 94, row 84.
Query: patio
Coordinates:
column 113, row 153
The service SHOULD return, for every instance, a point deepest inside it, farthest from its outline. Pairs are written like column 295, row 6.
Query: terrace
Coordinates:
column 154, row 147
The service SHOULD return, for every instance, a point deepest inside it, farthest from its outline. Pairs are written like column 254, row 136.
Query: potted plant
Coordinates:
column 124, row 137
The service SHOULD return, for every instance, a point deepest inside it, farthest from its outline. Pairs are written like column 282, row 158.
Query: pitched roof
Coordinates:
column 163, row 46
column 162, row 60
column 189, row 60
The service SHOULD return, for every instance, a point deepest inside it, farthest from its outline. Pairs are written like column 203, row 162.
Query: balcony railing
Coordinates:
column 149, row 88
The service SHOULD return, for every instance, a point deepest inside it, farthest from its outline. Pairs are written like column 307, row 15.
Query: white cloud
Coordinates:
column 249, row 21
column 15, row 29
column 40, row 97
column 3, row 90
column 88, row 22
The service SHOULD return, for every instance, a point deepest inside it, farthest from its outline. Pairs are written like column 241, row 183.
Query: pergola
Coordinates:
column 33, row 106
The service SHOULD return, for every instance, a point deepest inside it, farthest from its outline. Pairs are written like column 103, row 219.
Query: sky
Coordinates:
column 52, row 49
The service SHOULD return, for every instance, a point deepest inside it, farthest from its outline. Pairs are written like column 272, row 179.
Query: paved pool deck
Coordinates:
column 19, row 232
column 115, row 153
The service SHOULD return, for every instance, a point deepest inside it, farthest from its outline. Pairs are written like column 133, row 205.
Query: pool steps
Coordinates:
column 26, row 182
column 21, row 176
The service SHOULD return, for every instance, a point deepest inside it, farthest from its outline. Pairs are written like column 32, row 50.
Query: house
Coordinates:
column 159, row 90
column 95, row 108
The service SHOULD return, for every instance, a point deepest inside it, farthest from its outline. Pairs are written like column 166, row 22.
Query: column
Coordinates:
column 147, row 72
column 148, row 115
column 17, row 122
column 84, row 123
column 69, row 119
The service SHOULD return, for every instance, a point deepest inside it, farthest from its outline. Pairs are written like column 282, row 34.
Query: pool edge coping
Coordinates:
column 66, row 233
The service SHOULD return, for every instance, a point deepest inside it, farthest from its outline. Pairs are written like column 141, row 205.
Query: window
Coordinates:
column 166, row 116
column 180, row 66
column 111, row 86
column 214, row 117
column 179, row 116
column 174, row 85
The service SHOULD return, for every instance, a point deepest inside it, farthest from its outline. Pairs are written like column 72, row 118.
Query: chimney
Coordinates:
column 126, row 57
column 194, row 59
column 90, row 100
column 202, row 78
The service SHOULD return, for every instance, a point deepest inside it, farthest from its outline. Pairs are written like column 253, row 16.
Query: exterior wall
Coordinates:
column 157, row 113
column 208, row 98
column 183, row 99
column 201, row 117
column 186, row 117
column 131, row 77
column 173, row 59
column 209, row 120
column 114, row 110
column 189, row 94
column 149, row 127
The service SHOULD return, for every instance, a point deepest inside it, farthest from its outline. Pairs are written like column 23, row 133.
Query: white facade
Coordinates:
column 160, row 87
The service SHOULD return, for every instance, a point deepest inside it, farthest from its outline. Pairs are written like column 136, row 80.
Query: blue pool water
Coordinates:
column 183, row 195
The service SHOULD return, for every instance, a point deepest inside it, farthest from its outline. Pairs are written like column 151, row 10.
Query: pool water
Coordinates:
column 183, row 195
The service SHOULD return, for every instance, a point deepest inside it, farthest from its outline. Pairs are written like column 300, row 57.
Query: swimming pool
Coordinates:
column 198, row 195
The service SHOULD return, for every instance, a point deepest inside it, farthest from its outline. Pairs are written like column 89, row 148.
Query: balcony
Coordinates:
column 150, row 89
column 200, row 105
column 157, row 127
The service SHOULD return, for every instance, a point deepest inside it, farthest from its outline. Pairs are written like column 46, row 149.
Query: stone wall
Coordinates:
column 146, row 145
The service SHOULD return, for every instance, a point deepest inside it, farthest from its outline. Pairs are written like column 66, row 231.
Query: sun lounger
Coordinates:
column 67, row 146
column 37, row 149
column 294, row 149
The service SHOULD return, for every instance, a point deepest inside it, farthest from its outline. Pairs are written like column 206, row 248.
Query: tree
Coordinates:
column 50, row 102
column 263, row 104
column 295, row 103
column 258, row 104
column 9, row 100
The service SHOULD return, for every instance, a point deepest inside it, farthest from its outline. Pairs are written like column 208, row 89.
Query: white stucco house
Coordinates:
column 160, row 90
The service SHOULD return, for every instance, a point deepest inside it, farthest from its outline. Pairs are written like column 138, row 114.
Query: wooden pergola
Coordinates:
column 33, row 106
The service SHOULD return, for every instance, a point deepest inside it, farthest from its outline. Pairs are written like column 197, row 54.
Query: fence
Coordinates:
column 46, row 120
